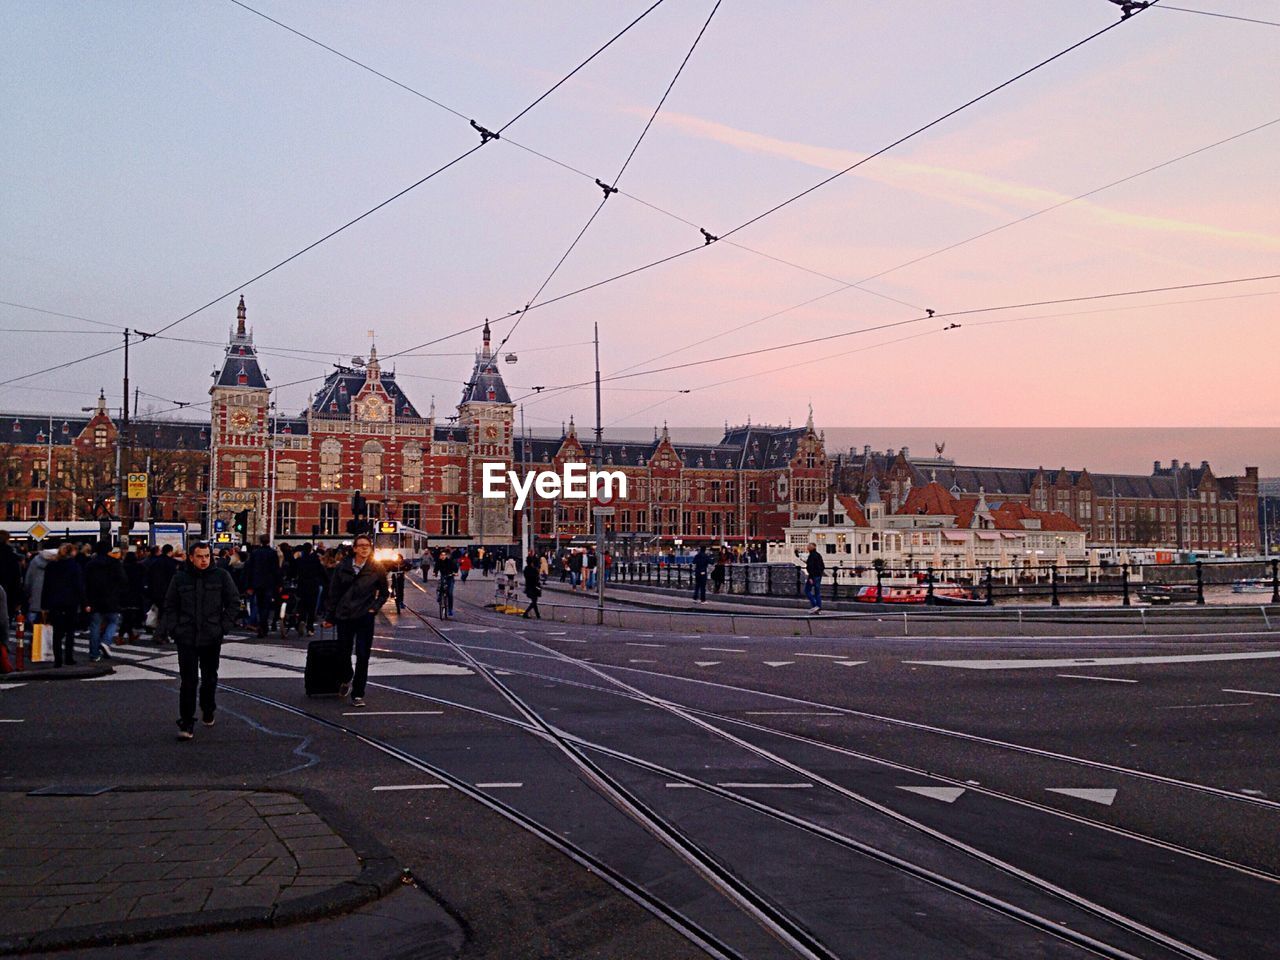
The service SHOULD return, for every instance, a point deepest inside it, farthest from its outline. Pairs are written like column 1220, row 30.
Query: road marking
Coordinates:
column 1092, row 661
column 945, row 794
column 413, row 786
column 12, row 721
column 849, row 663
column 721, row 650
column 557, row 633
column 778, row 663
column 1203, row 706
column 1255, row 693
column 790, row 713
column 392, row 713
column 11, row 686
column 564, row 639
column 1094, row 795
column 766, row 786
column 707, row 663
column 679, row 786
column 1082, row 676
column 498, row 786
column 632, row 643
column 825, row 656
column 642, row 661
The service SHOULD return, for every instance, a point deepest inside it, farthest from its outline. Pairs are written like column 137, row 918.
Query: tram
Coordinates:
column 392, row 539
column 142, row 533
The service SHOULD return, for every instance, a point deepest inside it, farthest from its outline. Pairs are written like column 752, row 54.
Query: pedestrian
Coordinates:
column 532, row 585
column 62, row 595
column 33, row 584
column 701, row 563
column 446, row 569
column 544, row 568
column 160, row 571
column 593, row 567
column 262, row 580
column 575, row 569
column 310, row 574
column 464, row 566
column 814, row 568
column 718, row 572
column 199, row 609
column 106, row 588
column 10, row 578
column 357, row 593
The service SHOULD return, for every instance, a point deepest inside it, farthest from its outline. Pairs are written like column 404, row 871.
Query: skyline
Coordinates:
column 161, row 157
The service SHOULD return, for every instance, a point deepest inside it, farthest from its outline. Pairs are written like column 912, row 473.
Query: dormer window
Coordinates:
column 492, row 394
column 17, row 427
column 242, row 378
column 40, row 437
column 342, row 387
column 288, row 428
column 333, row 406
column 66, row 428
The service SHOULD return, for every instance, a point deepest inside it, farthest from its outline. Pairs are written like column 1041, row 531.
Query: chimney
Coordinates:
column 1204, row 464
column 906, row 453
column 1174, row 464
column 1156, row 469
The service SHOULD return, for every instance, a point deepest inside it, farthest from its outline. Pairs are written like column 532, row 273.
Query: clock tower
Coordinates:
column 239, row 433
column 487, row 413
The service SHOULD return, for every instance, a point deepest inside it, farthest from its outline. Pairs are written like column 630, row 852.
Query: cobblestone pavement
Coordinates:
column 81, row 861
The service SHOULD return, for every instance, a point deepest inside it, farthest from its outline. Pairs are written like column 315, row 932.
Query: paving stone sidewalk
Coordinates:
column 137, row 864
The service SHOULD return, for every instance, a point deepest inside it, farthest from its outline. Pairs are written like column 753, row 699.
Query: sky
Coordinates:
column 158, row 156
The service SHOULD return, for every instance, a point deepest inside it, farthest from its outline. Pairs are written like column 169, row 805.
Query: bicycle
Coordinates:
column 444, row 597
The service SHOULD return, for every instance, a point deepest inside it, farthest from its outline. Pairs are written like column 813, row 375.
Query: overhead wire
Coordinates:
column 486, row 136
column 612, row 186
column 1224, row 16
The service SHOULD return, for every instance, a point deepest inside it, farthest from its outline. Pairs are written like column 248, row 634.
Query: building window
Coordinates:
column 451, row 477
column 328, row 519
column 100, row 437
column 449, row 519
column 371, row 466
column 286, row 518
column 37, row 510
column 287, row 475
column 411, row 472
column 412, row 515
column 331, row 465
column 240, row 474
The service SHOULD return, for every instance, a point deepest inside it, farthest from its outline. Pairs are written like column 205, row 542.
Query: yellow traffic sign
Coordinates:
column 137, row 486
column 38, row 531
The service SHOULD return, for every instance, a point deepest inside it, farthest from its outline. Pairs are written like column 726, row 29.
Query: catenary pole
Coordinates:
column 599, row 462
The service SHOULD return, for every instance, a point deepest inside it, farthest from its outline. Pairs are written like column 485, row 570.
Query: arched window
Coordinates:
column 412, row 469
column 331, row 465
column 451, row 475
column 371, row 466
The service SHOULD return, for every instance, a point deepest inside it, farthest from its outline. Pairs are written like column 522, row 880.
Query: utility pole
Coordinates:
column 599, row 462
column 48, row 476
column 122, row 437
column 526, row 535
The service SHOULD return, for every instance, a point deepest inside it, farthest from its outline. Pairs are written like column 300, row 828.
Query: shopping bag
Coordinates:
column 42, row 643
column 153, row 618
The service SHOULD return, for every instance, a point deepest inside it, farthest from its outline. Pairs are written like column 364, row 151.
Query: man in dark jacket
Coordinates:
column 160, row 571
column 262, row 580
column 10, row 577
column 701, row 563
column 63, row 596
column 106, row 586
column 532, row 585
column 356, row 593
column 814, row 568
column 309, row 572
column 198, row 610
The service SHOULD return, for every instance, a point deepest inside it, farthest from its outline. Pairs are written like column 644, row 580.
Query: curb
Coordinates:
column 379, row 875
column 87, row 672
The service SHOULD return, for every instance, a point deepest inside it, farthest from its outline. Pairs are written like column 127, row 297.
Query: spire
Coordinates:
column 808, row 424
column 982, row 500
column 573, row 431
column 486, row 336
column 373, row 370
column 240, row 317
column 101, row 409
column 431, row 414
column 666, row 435
column 873, row 491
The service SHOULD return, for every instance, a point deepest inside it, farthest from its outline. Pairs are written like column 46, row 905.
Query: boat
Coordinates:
column 1160, row 594
column 1252, row 585
column 944, row 594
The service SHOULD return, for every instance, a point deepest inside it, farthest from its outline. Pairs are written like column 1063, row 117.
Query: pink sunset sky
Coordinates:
column 159, row 156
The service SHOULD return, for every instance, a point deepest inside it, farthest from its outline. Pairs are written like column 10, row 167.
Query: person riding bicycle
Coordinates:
column 447, row 571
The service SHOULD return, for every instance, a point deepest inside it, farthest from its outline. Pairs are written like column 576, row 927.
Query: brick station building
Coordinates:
column 296, row 474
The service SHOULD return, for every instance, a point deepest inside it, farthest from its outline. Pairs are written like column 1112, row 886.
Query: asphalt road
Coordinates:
column 981, row 795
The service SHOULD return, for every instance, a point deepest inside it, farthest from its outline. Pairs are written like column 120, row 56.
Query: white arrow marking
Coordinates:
column 1092, row 661
column 849, row 663
column 945, row 794
column 1104, row 797
column 707, row 663
column 778, row 663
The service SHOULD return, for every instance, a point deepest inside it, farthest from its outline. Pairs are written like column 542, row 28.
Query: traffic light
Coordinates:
column 241, row 524
column 219, row 526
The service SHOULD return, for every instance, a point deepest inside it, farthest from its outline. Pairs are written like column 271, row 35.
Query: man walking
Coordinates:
column 262, row 577
column 160, row 571
column 532, row 586
column 309, row 572
column 814, row 568
column 356, row 594
column 199, row 609
column 10, row 578
column 106, row 586
column 700, row 564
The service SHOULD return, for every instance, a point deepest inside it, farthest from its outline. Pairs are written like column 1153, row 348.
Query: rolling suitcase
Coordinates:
column 324, row 671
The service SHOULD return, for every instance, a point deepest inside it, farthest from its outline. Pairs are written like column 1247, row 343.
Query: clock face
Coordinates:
column 241, row 420
column 491, row 431
column 374, row 409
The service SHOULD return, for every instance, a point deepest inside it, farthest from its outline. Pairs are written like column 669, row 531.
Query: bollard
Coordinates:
column 880, row 585
column 928, row 596
column 1124, row 580
column 1275, row 581
column 1200, row 583
column 1054, row 584
column 991, row 596
column 22, row 642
